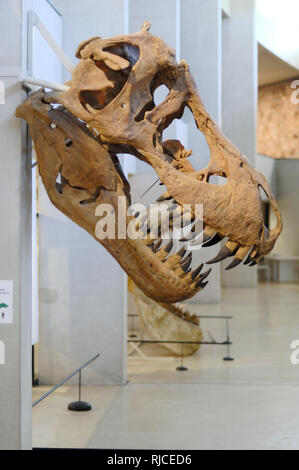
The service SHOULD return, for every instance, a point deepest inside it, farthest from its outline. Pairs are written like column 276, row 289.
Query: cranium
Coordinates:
column 109, row 109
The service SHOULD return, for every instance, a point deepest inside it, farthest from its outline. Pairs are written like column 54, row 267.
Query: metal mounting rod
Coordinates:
column 43, row 83
column 64, row 59
column 162, row 341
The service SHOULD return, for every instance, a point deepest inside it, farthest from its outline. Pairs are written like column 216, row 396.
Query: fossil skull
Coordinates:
column 109, row 109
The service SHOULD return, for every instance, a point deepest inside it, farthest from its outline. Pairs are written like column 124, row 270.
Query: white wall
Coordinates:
column 277, row 28
column 15, row 239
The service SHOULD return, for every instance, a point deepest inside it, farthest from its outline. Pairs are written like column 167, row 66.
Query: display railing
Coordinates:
column 78, row 405
column 226, row 342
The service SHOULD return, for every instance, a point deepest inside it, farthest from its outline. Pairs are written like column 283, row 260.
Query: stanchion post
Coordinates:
column 79, row 405
column 182, row 367
column 228, row 356
column 132, row 335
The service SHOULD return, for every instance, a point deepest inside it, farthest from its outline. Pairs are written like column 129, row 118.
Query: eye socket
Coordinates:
column 99, row 99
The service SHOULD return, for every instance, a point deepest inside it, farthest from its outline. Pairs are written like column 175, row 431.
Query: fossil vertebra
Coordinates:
column 109, row 109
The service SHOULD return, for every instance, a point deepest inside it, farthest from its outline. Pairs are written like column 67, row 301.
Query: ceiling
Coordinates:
column 271, row 69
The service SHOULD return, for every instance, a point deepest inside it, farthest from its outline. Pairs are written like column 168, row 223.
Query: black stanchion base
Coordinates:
column 182, row 368
column 79, row 406
column 228, row 358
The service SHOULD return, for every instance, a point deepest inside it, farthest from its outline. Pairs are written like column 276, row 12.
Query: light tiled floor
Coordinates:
column 251, row 402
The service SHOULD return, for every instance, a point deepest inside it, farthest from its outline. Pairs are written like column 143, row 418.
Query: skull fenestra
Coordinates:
column 109, row 109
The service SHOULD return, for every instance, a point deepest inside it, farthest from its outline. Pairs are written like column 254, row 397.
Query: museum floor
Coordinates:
column 250, row 403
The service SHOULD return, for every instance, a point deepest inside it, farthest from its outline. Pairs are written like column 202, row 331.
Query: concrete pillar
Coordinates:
column 15, row 239
column 239, row 99
column 201, row 47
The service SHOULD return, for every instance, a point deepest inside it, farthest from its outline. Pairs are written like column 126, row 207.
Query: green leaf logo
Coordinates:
column 3, row 306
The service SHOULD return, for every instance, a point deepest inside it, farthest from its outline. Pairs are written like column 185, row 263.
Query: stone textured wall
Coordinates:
column 278, row 121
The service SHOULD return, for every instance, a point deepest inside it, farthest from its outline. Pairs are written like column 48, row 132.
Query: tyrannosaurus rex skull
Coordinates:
column 109, row 109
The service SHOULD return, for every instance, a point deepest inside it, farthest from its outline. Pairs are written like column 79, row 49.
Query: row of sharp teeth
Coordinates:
column 180, row 263
column 184, row 315
column 209, row 237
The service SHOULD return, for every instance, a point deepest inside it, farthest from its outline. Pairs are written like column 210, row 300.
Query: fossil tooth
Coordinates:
column 165, row 250
column 186, row 265
column 248, row 260
column 182, row 251
column 226, row 251
column 201, row 284
column 58, row 187
column 196, row 271
column 192, row 234
column 186, row 258
column 173, row 206
column 234, row 263
column 157, row 245
column 187, row 219
column 208, row 233
column 239, row 256
column 213, row 241
column 185, row 273
column 251, row 255
column 173, row 260
column 151, row 245
column 154, row 232
column 176, row 214
column 169, row 246
column 142, row 223
column 165, row 197
column 204, row 275
column 223, row 253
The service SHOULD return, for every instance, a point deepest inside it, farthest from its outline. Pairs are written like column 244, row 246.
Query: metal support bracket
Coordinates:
column 35, row 22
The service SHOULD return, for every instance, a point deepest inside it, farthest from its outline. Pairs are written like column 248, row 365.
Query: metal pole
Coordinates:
column 43, row 83
column 79, row 405
column 228, row 356
column 182, row 367
column 64, row 381
column 132, row 335
column 80, row 385
column 64, row 59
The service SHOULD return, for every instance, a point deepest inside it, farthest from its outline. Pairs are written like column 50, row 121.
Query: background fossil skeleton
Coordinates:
column 109, row 109
column 167, row 322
